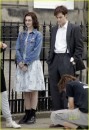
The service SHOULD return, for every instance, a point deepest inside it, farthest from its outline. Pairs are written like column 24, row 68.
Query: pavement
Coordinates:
column 42, row 122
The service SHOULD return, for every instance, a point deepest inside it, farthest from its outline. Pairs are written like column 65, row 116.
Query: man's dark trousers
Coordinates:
column 61, row 65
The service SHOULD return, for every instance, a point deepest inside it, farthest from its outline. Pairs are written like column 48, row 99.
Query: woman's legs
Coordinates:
column 27, row 100
column 34, row 100
column 30, row 102
column 59, row 117
column 27, row 104
column 69, row 118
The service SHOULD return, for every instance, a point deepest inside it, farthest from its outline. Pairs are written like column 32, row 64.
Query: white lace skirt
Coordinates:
column 32, row 79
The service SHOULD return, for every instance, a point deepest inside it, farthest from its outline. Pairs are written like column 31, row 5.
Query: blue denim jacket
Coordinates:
column 33, row 49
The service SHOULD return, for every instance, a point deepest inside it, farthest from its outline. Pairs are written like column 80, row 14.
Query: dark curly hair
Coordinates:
column 34, row 19
column 63, row 81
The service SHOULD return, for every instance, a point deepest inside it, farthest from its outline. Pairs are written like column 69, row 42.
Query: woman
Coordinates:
column 5, row 104
column 29, row 75
column 76, row 116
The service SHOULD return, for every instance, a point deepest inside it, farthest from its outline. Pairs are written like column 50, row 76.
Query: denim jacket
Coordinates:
column 33, row 49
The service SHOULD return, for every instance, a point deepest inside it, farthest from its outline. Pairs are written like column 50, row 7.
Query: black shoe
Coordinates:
column 54, row 126
column 32, row 120
column 26, row 116
column 23, row 120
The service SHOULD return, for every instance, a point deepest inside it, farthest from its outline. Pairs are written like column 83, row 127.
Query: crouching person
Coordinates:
column 76, row 116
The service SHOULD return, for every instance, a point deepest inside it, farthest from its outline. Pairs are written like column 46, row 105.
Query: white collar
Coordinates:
column 65, row 25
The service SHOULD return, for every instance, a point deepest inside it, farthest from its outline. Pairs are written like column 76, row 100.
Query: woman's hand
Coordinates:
column 3, row 45
column 21, row 65
column 24, row 68
column 70, row 103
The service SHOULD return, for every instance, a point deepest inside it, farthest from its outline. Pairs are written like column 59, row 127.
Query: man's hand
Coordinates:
column 72, row 61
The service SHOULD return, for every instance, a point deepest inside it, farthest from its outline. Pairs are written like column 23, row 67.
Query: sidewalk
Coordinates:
column 40, row 123
column 43, row 121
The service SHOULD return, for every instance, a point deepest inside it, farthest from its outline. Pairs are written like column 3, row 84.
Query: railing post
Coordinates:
column 10, row 36
column 3, row 40
column 87, row 27
column 44, row 31
column 50, row 26
column 17, row 103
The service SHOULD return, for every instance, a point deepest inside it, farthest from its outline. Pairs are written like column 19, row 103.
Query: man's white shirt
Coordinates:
column 61, row 43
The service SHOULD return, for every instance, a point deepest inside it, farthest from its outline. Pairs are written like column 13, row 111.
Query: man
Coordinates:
column 65, row 55
column 76, row 116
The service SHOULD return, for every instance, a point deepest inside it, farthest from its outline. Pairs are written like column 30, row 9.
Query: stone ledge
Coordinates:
column 45, row 114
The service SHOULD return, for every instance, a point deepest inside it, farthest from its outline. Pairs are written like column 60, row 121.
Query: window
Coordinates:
column 51, row 4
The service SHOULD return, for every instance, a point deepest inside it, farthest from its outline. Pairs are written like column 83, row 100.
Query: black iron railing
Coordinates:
column 9, row 33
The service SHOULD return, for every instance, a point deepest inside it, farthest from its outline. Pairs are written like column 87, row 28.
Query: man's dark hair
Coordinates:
column 60, row 9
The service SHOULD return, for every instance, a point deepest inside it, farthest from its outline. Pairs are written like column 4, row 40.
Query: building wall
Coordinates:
column 14, row 12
